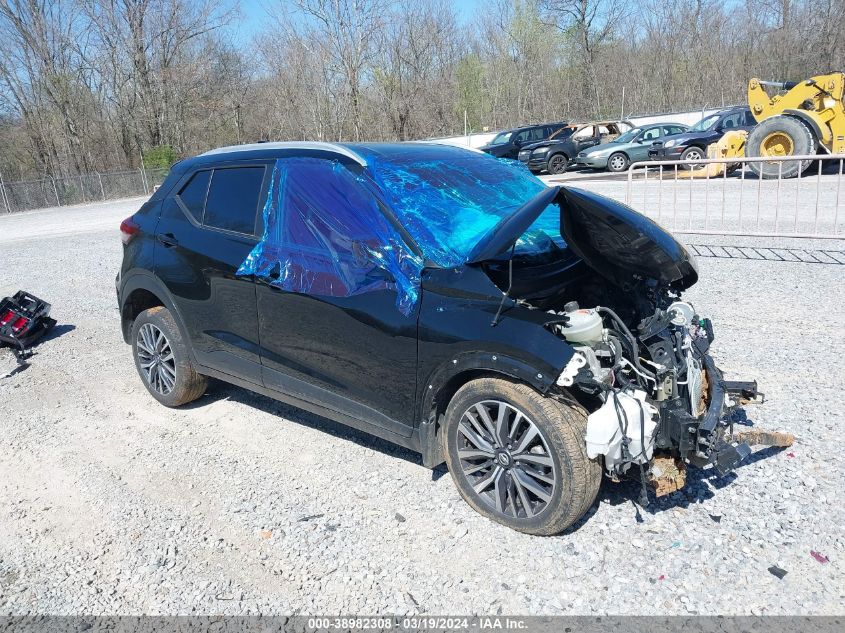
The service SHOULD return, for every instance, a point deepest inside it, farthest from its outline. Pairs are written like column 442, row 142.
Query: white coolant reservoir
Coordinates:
column 604, row 429
column 584, row 326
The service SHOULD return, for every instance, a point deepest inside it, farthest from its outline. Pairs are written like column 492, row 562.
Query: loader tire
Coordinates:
column 780, row 135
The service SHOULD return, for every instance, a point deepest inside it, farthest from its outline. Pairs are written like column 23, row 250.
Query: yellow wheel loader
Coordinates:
column 802, row 118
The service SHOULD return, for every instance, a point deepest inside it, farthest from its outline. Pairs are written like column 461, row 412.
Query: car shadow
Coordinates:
column 700, row 482
column 219, row 390
column 55, row 332
column 700, row 486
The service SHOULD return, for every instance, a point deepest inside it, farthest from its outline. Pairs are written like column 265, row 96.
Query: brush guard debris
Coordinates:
column 24, row 319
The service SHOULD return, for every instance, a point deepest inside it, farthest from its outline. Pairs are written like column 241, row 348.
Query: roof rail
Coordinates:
column 307, row 145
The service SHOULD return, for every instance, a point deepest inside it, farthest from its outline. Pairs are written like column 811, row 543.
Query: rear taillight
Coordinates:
column 128, row 230
column 19, row 324
column 6, row 317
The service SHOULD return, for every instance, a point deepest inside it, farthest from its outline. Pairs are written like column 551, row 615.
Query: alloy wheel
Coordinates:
column 506, row 459
column 155, row 358
column 617, row 162
column 557, row 164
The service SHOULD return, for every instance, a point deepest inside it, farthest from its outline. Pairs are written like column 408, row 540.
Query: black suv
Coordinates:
column 507, row 144
column 532, row 338
column 556, row 152
column 692, row 144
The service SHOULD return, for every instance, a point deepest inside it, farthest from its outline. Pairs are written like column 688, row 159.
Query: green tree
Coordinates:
column 159, row 157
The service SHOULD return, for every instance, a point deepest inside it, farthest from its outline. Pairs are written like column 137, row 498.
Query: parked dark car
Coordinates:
column 435, row 297
column 556, row 152
column 507, row 144
column 692, row 145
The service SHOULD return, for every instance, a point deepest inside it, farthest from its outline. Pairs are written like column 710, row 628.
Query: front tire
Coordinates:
column 557, row 164
column 162, row 359
column 618, row 162
column 518, row 457
column 693, row 153
column 780, row 135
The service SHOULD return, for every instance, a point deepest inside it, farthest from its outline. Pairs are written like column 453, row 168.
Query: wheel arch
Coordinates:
column 141, row 291
column 454, row 374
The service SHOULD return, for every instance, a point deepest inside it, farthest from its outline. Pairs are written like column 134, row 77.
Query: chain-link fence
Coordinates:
column 56, row 192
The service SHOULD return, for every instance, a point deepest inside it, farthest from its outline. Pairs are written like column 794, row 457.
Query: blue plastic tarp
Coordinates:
column 325, row 233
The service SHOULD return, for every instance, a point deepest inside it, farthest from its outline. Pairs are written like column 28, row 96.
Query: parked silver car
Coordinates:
column 630, row 147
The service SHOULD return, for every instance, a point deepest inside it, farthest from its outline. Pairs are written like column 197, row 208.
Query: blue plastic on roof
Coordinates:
column 448, row 205
column 326, row 235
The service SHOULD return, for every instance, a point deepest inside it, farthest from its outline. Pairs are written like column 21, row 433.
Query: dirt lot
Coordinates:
column 112, row 504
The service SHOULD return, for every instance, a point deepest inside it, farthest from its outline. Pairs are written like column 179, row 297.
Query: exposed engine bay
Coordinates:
column 652, row 383
column 641, row 365
column 660, row 401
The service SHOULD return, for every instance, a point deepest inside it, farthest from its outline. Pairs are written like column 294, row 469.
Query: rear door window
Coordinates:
column 233, row 197
column 192, row 195
column 523, row 137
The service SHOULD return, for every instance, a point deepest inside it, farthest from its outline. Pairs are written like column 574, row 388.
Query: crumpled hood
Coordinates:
column 621, row 244
column 614, row 240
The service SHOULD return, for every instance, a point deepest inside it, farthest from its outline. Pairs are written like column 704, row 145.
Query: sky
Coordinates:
column 255, row 16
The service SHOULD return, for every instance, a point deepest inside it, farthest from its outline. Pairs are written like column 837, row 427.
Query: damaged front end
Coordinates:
column 664, row 402
column 641, row 361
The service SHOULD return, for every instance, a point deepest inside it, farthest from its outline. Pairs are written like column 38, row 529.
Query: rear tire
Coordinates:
column 563, row 483
column 618, row 162
column 780, row 135
column 162, row 359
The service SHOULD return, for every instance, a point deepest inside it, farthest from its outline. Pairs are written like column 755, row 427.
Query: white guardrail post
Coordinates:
column 814, row 214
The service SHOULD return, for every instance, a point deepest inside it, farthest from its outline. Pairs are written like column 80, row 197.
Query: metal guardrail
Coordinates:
column 737, row 201
column 25, row 195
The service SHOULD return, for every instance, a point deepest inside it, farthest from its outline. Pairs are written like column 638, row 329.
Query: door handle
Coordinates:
column 167, row 239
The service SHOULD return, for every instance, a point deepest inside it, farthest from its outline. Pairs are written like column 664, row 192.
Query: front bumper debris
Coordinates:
column 667, row 475
column 709, row 438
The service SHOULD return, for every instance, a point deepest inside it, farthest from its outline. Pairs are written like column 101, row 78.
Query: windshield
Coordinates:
column 628, row 136
column 448, row 206
column 705, row 124
column 501, row 137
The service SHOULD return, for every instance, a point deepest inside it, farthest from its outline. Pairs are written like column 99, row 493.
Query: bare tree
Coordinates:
column 91, row 84
column 349, row 29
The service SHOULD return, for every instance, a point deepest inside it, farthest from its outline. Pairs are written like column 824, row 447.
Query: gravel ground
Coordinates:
column 237, row 504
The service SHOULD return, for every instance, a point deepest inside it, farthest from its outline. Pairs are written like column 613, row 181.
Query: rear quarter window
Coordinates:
column 192, row 195
column 233, row 196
